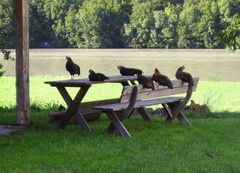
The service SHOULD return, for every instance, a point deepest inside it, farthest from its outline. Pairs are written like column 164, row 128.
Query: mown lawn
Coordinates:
column 212, row 145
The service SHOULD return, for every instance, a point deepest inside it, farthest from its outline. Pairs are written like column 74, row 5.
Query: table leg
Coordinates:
column 73, row 108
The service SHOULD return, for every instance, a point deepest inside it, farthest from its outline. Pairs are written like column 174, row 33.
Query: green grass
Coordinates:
column 212, row 145
column 220, row 96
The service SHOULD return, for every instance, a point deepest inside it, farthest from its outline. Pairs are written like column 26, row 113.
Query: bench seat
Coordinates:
column 138, row 104
column 136, row 97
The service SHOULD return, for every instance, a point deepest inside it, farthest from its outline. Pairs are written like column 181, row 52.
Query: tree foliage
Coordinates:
column 6, row 30
column 230, row 35
column 127, row 23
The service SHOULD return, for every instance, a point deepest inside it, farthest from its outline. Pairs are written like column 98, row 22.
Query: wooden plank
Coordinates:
column 88, row 106
column 176, row 84
column 155, row 94
column 138, row 104
column 22, row 60
column 84, row 82
column 56, row 117
column 73, row 108
column 179, row 88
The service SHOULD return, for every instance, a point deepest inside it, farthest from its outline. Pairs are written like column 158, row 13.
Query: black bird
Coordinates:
column 71, row 67
column 96, row 76
column 162, row 79
column 184, row 76
column 145, row 81
column 129, row 71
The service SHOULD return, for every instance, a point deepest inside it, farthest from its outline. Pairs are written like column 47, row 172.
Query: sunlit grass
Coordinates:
column 220, row 96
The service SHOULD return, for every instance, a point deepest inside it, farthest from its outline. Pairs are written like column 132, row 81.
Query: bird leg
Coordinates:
column 72, row 76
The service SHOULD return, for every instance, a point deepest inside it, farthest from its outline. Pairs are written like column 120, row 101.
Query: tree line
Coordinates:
column 127, row 23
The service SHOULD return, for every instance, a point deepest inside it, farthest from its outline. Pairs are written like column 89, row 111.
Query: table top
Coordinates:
column 86, row 82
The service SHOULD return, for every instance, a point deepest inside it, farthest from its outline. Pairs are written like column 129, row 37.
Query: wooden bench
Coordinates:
column 137, row 97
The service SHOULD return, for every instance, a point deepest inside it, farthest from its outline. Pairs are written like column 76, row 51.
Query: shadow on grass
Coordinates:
column 39, row 112
column 213, row 115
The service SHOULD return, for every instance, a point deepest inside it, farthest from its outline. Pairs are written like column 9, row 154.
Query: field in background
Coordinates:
column 209, row 64
column 221, row 96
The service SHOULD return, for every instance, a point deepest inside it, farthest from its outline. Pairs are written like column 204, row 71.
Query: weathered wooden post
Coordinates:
column 22, row 60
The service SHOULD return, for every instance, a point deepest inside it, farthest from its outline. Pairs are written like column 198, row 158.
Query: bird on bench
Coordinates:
column 145, row 81
column 184, row 76
column 161, row 79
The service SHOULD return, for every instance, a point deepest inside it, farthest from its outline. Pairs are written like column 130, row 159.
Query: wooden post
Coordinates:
column 22, row 60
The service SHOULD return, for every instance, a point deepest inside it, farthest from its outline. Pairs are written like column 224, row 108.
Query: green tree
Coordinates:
column 41, row 30
column 189, row 36
column 6, row 29
column 153, row 24
column 230, row 35
column 138, row 31
column 6, row 24
column 199, row 24
column 57, row 12
column 164, row 34
column 210, row 24
column 97, row 24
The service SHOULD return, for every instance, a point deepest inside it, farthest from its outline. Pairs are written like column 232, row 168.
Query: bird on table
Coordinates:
column 184, row 76
column 71, row 67
column 96, row 76
column 124, row 71
column 145, row 81
column 161, row 79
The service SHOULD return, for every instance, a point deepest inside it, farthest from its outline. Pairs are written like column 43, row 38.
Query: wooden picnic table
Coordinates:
column 74, row 104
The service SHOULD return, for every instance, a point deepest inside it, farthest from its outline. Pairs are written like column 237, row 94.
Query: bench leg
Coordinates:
column 170, row 117
column 168, row 110
column 183, row 119
column 116, row 123
column 143, row 112
column 180, row 116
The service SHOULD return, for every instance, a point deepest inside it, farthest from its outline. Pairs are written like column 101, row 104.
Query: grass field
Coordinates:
column 208, row 64
column 221, row 96
column 212, row 145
